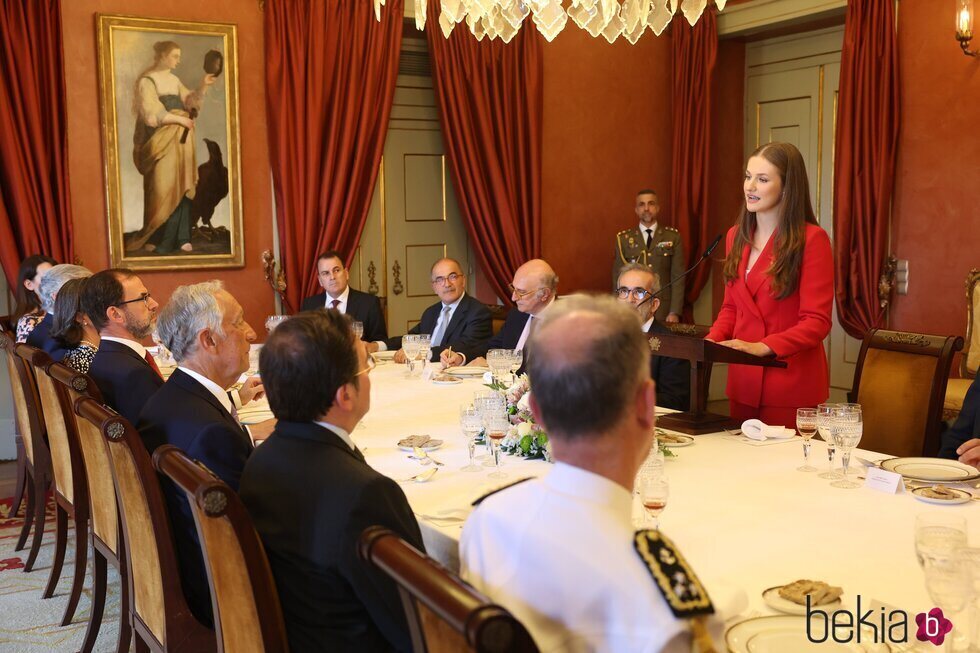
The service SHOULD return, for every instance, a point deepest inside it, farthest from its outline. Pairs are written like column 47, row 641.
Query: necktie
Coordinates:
column 441, row 327
column 148, row 357
column 649, row 237
column 334, row 303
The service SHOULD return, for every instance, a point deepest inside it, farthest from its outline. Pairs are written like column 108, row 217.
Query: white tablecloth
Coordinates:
column 738, row 512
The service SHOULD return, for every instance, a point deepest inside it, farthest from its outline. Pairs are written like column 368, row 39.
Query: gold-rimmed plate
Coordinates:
column 787, row 633
column 936, row 470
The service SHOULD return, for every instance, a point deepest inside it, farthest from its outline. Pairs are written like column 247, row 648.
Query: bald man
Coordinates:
column 534, row 289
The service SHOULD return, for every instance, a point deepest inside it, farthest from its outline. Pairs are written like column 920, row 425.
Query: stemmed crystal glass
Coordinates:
column 825, row 414
column 806, row 424
column 499, row 363
column 654, row 492
column 516, row 357
column 411, row 346
column 969, row 561
column 496, row 432
column 471, row 423
column 951, row 589
column 491, row 406
column 273, row 321
column 848, row 426
column 358, row 328
column 938, row 537
column 425, row 348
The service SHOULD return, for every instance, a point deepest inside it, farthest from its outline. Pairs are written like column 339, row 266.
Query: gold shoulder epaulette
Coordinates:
column 622, row 232
column 685, row 595
column 499, row 489
column 671, row 229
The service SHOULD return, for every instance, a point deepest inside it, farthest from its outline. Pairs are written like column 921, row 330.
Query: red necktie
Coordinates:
column 334, row 303
column 148, row 357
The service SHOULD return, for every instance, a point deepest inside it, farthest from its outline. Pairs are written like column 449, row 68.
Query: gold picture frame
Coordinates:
column 172, row 151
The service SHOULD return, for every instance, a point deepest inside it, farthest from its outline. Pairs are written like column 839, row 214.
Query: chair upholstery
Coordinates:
column 7, row 341
column 158, row 613
column 900, row 381
column 970, row 360
column 444, row 613
column 498, row 315
column 247, row 614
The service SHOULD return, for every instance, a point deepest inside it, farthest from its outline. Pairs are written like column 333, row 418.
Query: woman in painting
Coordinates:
column 163, row 151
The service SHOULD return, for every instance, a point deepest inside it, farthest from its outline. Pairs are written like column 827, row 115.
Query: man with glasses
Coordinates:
column 361, row 306
column 456, row 321
column 311, row 494
column 123, row 311
column 534, row 289
column 637, row 286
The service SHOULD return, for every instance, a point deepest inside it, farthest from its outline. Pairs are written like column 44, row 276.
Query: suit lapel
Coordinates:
column 317, row 433
column 119, row 348
column 740, row 285
column 459, row 315
column 353, row 304
column 758, row 275
column 191, row 385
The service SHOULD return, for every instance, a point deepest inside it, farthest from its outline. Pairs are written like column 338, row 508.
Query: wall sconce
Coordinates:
column 964, row 26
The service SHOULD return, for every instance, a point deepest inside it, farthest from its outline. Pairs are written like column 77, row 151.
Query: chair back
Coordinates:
column 104, row 516
column 27, row 405
column 900, row 381
column 970, row 361
column 157, row 602
column 247, row 614
column 444, row 613
column 498, row 315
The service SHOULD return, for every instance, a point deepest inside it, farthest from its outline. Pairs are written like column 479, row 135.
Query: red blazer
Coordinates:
column 793, row 327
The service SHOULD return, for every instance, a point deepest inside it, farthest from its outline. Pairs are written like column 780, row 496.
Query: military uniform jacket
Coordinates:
column 665, row 255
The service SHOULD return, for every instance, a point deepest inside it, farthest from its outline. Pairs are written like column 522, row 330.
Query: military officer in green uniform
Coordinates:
column 657, row 246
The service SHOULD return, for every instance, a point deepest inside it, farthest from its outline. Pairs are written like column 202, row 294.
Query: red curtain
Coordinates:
column 864, row 160
column 695, row 50
column 35, row 213
column 490, row 108
column 331, row 69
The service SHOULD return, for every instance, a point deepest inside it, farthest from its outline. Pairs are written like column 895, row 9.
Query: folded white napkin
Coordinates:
column 755, row 429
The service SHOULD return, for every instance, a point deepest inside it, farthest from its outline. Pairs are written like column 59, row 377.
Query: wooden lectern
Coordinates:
column 701, row 353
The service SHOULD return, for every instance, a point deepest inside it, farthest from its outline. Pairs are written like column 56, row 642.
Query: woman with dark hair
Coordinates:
column 29, row 312
column 779, row 291
column 72, row 328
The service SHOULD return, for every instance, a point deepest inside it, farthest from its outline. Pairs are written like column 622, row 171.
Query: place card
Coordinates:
column 883, row 481
column 429, row 371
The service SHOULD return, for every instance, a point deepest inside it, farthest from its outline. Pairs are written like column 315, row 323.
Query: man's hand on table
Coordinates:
column 251, row 389
column 969, row 452
column 400, row 356
column 450, row 358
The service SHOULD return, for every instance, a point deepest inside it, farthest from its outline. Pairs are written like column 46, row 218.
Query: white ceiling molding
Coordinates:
column 759, row 15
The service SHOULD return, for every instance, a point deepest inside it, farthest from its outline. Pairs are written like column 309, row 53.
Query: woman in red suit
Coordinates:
column 779, row 291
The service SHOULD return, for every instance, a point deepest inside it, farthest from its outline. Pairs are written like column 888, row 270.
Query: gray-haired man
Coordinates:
column 205, row 329
column 47, row 291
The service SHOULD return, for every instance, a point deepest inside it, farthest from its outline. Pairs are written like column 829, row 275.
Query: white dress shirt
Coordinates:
column 643, row 231
column 132, row 344
column 212, row 387
column 558, row 552
column 648, row 324
column 526, row 333
column 448, row 317
column 344, row 435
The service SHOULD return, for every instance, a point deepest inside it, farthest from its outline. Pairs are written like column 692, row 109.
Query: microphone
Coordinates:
column 706, row 254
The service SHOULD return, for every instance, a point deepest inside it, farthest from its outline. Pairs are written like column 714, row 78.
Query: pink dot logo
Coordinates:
column 933, row 626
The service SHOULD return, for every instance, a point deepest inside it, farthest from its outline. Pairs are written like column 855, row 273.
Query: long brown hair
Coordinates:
column 796, row 211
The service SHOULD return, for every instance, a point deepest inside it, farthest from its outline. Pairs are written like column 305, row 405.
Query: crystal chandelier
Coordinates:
column 611, row 18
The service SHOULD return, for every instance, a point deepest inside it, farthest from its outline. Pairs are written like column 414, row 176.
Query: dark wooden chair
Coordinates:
column 158, row 614
column 900, row 381
column 498, row 314
column 247, row 614
column 105, row 537
column 37, row 458
column 444, row 613
column 7, row 341
column 70, row 487
column 957, row 388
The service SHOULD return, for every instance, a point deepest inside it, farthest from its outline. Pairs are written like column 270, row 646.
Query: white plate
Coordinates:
column 931, row 469
column 779, row 604
column 385, row 355
column 427, row 447
column 787, row 634
column 685, row 441
column 446, row 381
column 961, row 497
column 467, row 370
column 255, row 417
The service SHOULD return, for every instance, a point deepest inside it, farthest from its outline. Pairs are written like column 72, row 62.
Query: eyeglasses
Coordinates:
column 371, row 364
column 637, row 293
column 452, row 277
column 521, row 294
column 144, row 297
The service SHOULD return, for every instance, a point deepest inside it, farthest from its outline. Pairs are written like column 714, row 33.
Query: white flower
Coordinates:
column 524, row 403
column 488, row 377
column 523, row 429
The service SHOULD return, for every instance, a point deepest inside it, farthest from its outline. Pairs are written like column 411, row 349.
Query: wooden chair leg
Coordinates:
column 125, row 628
column 60, row 542
column 40, row 494
column 98, row 601
column 81, row 562
column 21, row 485
column 141, row 646
column 28, row 515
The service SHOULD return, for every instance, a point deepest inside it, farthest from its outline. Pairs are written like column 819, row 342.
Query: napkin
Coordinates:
column 755, row 429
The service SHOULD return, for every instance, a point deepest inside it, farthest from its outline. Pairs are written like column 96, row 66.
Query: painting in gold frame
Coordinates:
column 169, row 100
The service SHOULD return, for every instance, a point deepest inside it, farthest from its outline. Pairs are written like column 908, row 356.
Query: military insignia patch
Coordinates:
column 654, row 343
column 683, row 591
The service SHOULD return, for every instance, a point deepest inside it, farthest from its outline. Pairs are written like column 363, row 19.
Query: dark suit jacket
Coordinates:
column 185, row 414
column 510, row 332
column 127, row 381
column 468, row 331
column 361, row 306
column 967, row 425
column 310, row 497
column 672, row 376
column 40, row 337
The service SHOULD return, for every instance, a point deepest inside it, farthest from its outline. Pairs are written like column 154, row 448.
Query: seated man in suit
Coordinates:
column 456, row 321
column 962, row 440
column 361, row 306
column 534, row 289
column 637, row 286
column 125, row 314
column 205, row 329
column 558, row 551
column 311, row 494
column 47, row 291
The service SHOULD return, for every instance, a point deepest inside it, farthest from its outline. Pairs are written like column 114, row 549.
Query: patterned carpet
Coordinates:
column 28, row 623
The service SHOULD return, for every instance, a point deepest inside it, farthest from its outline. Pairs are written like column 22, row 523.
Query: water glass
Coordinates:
column 654, row 492
column 498, row 360
column 273, row 321
column 938, row 537
column 425, row 348
column 825, row 414
column 410, row 345
column 516, row 357
column 950, row 588
column 848, row 426
column 806, row 424
column 496, row 432
column 358, row 328
column 471, row 423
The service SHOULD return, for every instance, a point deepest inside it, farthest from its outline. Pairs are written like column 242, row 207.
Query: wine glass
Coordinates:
column 492, row 406
column 825, row 414
column 496, row 432
column 358, row 328
column 950, row 589
column 472, row 423
column 273, row 321
column 848, row 426
column 806, row 424
column 410, row 345
column 938, row 537
column 654, row 491
column 969, row 561
column 516, row 360
column 499, row 363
